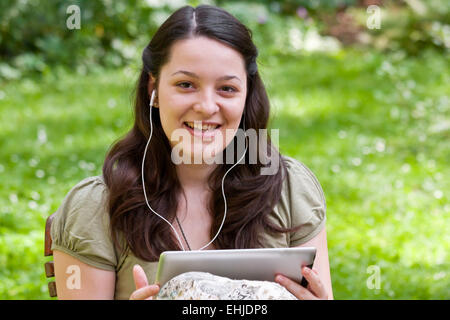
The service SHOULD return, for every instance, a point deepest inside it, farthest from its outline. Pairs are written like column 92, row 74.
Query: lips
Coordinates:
column 202, row 133
column 202, row 125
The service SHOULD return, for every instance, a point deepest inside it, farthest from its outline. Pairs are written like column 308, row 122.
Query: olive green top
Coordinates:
column 80, row 227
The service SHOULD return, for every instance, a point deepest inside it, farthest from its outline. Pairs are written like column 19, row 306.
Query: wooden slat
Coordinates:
column 52, row 289
column 49, row 269
column 48, row 239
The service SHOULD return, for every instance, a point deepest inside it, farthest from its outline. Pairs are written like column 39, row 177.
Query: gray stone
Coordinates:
column 206, row 286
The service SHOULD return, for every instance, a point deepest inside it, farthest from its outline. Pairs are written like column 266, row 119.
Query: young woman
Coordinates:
column 199, row 70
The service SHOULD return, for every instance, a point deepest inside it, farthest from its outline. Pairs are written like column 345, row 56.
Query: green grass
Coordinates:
column 374, row 129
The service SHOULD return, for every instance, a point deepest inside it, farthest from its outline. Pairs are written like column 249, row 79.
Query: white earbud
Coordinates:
column 152, row 99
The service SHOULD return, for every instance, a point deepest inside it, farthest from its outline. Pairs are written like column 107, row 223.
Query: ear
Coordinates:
column 152, row 86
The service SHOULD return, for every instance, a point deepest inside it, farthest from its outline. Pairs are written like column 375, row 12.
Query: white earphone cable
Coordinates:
column 142, row 173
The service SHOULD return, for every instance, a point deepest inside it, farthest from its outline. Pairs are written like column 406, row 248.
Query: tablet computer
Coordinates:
column 249, row 264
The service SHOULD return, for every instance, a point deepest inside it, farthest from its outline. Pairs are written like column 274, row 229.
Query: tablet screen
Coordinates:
column 237, row 264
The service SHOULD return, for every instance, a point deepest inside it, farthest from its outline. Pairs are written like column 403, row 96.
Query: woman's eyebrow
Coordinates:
column 193, row 75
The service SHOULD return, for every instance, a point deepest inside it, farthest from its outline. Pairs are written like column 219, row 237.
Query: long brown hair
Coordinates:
column 250, row 195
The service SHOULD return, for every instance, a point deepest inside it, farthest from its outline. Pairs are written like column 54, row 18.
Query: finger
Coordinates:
column 314, row 282
column 145, row 292
column 158, row 287
column 140, row 279
column 293, row 287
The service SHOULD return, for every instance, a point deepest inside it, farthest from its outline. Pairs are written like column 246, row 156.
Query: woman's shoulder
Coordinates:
column 300, row 178
column 92, row 181
column 83, row 200
column 80, row 226
column 88, row 193
column 302, row 203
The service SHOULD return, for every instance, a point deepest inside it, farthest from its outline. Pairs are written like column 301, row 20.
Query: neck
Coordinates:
column 194, row 176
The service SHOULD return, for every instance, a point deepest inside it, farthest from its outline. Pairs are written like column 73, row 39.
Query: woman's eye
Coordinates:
column 227, row 87
column 186, row 85
column 181, row 84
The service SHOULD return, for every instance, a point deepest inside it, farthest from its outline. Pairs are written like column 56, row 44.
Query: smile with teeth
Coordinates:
column 204, row 127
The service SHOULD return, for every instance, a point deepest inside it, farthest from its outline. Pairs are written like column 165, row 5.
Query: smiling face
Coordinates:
column 204, row 82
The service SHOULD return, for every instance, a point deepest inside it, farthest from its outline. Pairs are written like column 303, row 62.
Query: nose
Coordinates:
column 206, row 104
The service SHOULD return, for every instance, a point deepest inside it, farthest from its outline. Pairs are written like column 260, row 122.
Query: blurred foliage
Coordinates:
column 411, row 27
column 290, row 7
column 34, row 36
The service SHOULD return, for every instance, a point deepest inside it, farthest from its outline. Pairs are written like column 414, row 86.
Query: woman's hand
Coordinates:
column 314, row 291
column 143, row 290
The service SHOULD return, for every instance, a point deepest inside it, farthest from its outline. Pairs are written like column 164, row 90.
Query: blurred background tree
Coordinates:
column 34, row 36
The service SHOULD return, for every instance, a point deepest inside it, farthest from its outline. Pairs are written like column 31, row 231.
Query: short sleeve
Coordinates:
column 80, row 227
column 305, row 202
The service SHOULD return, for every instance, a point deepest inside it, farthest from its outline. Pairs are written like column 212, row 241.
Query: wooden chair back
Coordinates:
column 49, row 266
